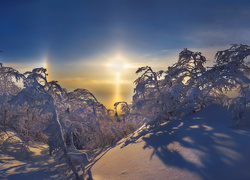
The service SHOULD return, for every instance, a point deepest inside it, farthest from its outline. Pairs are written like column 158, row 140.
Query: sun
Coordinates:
column 117, row 63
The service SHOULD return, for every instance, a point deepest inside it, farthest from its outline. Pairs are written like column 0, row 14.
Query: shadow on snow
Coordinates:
column 202, row 143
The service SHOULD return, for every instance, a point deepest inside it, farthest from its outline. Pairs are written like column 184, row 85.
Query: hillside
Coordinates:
column 200, row 146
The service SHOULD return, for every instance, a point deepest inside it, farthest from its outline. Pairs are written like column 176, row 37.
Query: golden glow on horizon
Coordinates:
column 109, row 78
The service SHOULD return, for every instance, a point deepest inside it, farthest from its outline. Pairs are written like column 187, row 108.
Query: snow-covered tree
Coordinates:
column 148, row 99
column 98, row 128
column 188, row 86
column 36, row 96
column 181, row 83
column 161, row 98
column 233, row 72
column 124, row 108
column 8, row 88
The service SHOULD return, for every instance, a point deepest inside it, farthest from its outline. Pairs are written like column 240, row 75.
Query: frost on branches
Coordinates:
column 188, row 86
column 44, row 111
column 71, row 121
column 234, row 69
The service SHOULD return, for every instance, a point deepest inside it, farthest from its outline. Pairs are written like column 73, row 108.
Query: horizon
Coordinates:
column 83, row 43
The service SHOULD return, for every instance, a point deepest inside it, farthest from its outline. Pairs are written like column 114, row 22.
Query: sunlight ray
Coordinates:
column 117, row 89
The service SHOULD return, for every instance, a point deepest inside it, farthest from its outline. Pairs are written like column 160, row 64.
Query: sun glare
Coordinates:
column 117, row 63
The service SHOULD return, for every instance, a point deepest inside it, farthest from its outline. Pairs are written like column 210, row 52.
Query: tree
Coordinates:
column 8, row 88
column 35, row 95
column 99, row 128
column 165, row 97
column 182, row 82
column 188, row 86
column 233, row 71
column 124, row 107
column 148, row 97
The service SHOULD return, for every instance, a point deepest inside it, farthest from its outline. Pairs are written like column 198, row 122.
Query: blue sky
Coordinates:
column 80, row 36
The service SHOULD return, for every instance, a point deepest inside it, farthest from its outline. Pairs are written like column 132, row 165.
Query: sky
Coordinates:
column 99, row 44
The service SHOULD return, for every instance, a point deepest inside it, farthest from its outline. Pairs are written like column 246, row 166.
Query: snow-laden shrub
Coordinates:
column 237, row 107
column 188, row 86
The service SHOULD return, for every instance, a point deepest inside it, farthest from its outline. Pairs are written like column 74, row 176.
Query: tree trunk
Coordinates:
column 5, row 119
column 99, row 127
column 62, row 142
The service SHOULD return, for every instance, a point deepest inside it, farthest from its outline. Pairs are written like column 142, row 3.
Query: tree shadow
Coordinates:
column 15, row 147
column 203, row 143
column 38, row 166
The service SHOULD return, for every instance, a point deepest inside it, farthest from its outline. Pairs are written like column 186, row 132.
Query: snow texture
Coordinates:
column 29, row 163
column 200, row 146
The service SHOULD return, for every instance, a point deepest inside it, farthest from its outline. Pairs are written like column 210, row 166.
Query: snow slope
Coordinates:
column 18, row 164
column 200, row 146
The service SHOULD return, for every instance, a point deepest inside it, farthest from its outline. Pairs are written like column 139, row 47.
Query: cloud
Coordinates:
column 206, row 38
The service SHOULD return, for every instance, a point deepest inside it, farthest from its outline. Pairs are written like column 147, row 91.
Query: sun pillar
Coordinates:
column 117, row 88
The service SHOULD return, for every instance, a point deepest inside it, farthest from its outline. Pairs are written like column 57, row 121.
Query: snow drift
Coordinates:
column 200, row 146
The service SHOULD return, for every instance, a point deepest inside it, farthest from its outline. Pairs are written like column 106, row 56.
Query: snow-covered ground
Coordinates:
column 200, row 146
column 18, row 164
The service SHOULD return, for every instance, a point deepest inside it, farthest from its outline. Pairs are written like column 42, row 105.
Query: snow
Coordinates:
column 200, row 146
column 15, row 166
